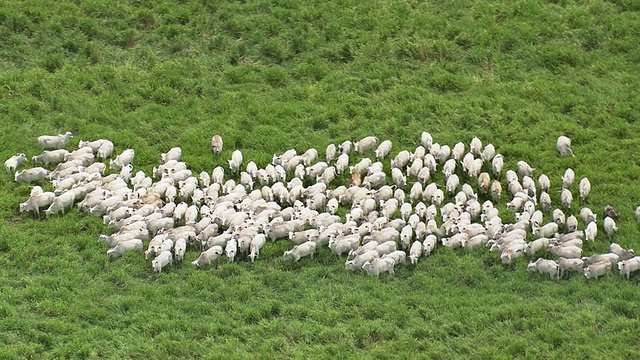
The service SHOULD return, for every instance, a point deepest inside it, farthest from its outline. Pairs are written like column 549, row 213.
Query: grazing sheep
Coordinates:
column 367, row 143
column 123, row 247
column 256, row 245
column 569, row 252
column 609, row 257
column 563, row 144
column 621, row 252
column 587, row 215
column 496, row 190
column 126, row 157
column 568, row 178
column 637, row 213
column 54, row 141
column 379, row 265
column 591, row 231
column 398, row 256
column 594, row 271
column 330, row 152
column 236, row 161
column 572, row 223
column 584, row 188
column 32, row 175
column 566, row 197
column 12, row 163
column 179, row 248
column 610, row 226
column 626, row 267
column 545, row 266
column 497, row 165
column 51, row 157
column 426, row 140
column 383, row 149
column 305, row 249
column 544, row 183
column 60, row 203
column 345, row 147
column 569, row 265
column 415, row 252
column 524, row 169
column 208, row 256
column 173, row 154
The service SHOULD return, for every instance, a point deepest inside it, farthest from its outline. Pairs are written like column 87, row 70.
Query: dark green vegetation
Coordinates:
column 273, row 75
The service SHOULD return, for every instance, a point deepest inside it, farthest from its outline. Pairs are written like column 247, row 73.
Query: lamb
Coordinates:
column 624, row 254
column 32, row 175
column 367, row 143
column 626, row 267
column 545, row 266
column 126, row 157
column 563, row 144
column 305, row 249
column 598, row 269
column 216, row 144
column 54, row 141
column 379, row 265
column 123, row 247
column 415, row 252
column 208, row 256
column 569, row 265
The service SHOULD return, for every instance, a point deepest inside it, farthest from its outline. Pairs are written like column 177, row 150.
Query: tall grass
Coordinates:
column 274, row 75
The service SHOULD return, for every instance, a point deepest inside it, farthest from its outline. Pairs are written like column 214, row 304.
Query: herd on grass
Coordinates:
column 232, row 212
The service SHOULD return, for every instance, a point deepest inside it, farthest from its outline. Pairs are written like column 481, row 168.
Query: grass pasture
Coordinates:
column 274, row 75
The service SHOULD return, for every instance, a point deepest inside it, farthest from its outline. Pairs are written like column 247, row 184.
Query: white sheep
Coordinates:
column 566, row 197
column 123, row 247
column 543, row 266
column 208, row 256
column 379, row 265
column 179, row 248
column 12, row 163
column 594, row 271
column 426, row 140
column 610, row 226
column 398, row 256
column 383, row 149
column 236, row 161
column 565, row 264
column 60, row 203
column 330, row 152
column 32, row 175
column 54, row 141
column 305, row 249
column 37, row 201
column 173, row 154
column 626, row 267
column 231, row 249
column 624, row 254
column 497, row 164
column 568, row 178
column 415, row 252
column 563, row 144
column 256, row 245
column 163, row 259
column 584, row 187
column 126, row 157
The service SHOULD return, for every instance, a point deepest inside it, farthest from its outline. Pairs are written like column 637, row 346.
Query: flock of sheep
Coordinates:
column 232, row 211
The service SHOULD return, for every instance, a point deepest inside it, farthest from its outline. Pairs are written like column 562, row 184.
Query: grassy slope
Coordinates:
column 274, row 75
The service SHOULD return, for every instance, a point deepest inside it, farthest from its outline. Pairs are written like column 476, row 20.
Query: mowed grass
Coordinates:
column 274, row 75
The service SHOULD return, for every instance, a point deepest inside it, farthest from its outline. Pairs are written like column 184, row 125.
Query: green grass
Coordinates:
column 274, row 75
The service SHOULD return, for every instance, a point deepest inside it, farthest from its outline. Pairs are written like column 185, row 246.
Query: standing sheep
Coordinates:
column 563, row 144
column 216, row 144
column 54, row 141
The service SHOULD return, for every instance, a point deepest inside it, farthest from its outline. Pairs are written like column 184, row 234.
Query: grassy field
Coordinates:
column 274, row 75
